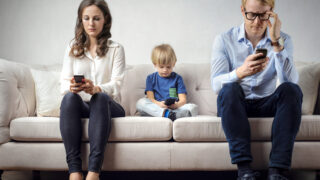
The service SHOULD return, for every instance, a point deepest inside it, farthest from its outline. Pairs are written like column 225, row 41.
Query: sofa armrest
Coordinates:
column 17, row 95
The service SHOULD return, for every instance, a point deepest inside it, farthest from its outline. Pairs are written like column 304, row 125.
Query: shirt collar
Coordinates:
column 242, row 35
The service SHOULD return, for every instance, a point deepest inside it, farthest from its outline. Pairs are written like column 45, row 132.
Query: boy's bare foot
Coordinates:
column 76, row 176
column 92, row 176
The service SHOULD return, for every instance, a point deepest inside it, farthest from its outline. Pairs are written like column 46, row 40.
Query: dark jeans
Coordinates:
column 99, row 110
column 284, row 105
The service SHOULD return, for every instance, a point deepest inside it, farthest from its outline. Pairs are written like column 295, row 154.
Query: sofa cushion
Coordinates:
column 131, row 128
column 209, row 128
column 309, row 79
column 48, row 96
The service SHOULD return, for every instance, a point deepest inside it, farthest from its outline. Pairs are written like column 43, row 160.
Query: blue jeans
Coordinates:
column 284, row 105
column 99, row 110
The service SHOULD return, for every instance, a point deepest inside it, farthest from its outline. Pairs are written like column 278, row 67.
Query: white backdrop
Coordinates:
column 38, row 31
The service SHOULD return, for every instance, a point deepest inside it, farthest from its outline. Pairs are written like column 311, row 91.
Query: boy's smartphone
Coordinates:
column 78, row 78
column 262, row 50
column 170, row 101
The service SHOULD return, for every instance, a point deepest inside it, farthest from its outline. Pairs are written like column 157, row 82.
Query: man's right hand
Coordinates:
column 252, row 66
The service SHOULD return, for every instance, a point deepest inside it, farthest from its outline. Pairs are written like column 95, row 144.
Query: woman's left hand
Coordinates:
column 90, row 88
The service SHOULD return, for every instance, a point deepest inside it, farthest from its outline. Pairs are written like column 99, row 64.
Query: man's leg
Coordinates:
column 285, row 125
column 232, row 110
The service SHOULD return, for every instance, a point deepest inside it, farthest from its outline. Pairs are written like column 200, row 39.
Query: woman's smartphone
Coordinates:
column 263, row 51
column 78, row 78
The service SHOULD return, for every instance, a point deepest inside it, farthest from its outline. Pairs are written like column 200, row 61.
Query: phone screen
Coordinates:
column 78, row 78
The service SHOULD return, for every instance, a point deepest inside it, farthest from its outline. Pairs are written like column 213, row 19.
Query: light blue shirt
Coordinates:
column 231, row 48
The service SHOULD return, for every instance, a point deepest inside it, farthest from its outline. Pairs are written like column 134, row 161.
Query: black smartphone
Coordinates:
column 170, row 101
column 78, row 78
column 263, row 51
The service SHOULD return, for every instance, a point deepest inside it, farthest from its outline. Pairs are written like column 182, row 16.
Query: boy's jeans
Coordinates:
column 148, row 108
column 284, row 105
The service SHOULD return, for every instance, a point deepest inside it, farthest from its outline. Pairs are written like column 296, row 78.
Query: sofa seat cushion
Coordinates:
column 130, row 128
column 209, row 128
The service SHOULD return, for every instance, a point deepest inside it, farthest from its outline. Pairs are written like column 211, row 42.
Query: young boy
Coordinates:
column 164, row 86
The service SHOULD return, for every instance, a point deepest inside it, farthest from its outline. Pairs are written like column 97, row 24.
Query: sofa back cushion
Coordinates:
column 196, row 78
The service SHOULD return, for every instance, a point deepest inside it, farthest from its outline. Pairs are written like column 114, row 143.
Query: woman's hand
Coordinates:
column 75, row 87
column 89, row 88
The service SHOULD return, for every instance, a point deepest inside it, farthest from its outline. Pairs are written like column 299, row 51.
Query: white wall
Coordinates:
column 37, row 31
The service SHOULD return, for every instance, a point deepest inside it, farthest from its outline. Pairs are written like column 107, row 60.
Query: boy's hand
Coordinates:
column 161, row 104
column 174, row 106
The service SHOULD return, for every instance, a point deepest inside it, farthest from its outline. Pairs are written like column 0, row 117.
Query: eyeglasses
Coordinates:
column 252, row 16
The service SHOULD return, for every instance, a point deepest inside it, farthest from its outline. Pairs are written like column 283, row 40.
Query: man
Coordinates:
column 246, row 84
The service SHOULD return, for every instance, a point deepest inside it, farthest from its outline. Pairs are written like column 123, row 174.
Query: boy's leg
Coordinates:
column 145, row 106
column 192, row 108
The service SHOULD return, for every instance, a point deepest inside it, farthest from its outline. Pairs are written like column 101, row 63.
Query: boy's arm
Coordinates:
column 150, row 95
column 182, row 101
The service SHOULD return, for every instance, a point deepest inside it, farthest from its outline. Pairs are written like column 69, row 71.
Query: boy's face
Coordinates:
column 164, row 70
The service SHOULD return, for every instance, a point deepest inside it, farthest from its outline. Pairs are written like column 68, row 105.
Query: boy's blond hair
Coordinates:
column 264, row 2
column 163, row 54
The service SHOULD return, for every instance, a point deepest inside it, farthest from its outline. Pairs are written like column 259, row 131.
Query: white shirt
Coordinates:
column 106, row 72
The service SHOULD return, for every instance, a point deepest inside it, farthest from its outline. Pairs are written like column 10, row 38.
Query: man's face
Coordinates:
column 258, row 25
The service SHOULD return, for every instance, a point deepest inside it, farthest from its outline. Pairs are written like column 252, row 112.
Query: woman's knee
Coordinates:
column 70, row 99
column 100, row 98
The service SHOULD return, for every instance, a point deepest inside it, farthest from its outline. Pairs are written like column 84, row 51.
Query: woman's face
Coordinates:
column 93, row 20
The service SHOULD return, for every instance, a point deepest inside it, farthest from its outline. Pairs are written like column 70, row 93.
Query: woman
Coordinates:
column 102, row 63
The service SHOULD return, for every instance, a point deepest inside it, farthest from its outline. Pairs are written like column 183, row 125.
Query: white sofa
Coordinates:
column 31, row 142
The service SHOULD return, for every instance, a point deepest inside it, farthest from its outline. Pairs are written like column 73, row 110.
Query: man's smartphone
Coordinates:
column 78, row 78
column 170, row 101
column 263, row 51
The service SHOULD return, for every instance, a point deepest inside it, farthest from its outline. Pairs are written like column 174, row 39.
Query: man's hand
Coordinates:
column 89, row 88
column 252, row 66
column 274, row 29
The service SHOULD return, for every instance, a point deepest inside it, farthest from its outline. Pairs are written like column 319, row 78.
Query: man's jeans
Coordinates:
column 284, row 105
column 99, row 110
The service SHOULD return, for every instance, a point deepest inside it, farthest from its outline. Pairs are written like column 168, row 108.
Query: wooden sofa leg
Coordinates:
column 36, row 175
column 1, row 172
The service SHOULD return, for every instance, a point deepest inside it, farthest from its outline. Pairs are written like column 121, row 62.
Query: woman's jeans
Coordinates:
column 147, row 108
column 284, row 105
column 99, row 110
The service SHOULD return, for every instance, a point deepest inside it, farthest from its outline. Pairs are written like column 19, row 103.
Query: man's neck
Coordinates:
column 254, row 39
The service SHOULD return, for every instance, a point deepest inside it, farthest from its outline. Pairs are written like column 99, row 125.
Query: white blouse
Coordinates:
column 106, row 72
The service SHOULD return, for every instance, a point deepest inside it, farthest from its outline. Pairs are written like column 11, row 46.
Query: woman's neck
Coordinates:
column 93, row 47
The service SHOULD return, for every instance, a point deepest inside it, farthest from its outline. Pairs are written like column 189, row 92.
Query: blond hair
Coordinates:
column 263, row 2
column 163, row 54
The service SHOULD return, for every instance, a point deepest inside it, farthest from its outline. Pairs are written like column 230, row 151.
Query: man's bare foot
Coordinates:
column 75, row 176
column 92, row 176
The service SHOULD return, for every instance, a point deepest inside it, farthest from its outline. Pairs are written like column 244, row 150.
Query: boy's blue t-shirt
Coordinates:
column 165, row 87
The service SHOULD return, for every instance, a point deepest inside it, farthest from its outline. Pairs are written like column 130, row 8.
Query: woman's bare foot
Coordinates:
column 92, row 176
column 75, row 176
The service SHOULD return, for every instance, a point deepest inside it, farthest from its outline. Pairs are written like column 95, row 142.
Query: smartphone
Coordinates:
column 262, row 50
column 78, row 78
column 170, row 101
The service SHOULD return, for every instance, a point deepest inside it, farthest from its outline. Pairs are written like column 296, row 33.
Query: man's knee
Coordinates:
column 291, row 90
column 231, row 90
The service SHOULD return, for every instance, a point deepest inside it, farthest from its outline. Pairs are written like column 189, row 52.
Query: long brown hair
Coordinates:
column 81, row 40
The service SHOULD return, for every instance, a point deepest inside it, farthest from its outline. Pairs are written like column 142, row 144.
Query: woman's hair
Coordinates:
column 81, row 40
column 264, row 2
column 163, row 54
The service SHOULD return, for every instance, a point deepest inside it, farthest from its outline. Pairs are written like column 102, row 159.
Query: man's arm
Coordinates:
column 220, row 67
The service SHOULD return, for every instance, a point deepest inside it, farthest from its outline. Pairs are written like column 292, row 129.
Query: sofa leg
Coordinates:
column 1, row 172
column 36, row 175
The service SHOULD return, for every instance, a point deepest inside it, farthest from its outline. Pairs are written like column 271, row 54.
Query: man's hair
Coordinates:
column 264, row 2
column 163, row 54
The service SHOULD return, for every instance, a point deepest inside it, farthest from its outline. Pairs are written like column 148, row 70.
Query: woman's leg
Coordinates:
column 71, row 111
column 102, row 109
